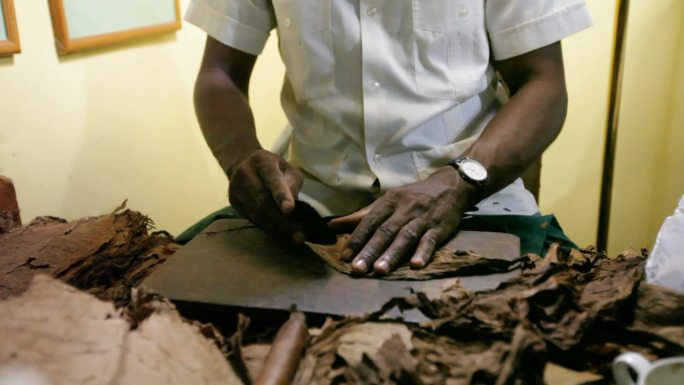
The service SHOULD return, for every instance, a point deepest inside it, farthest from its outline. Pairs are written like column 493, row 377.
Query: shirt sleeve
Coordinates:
column 516, row 27
column 241, row 24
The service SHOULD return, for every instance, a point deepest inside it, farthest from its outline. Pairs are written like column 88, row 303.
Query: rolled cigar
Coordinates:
column 9, row 208
column 283, row 359
column 8, row 197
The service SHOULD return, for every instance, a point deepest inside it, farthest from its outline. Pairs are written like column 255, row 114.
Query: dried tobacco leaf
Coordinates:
column 391, row 364
column 106, row 255
column 577, row 310
column 73, row 338
column 320, row 364
column 445, row 263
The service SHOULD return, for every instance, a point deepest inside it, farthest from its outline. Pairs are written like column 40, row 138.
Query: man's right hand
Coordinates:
column 263, row 187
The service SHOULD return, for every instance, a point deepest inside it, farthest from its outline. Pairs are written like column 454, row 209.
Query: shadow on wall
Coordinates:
column 140, row 140
column 6, row 61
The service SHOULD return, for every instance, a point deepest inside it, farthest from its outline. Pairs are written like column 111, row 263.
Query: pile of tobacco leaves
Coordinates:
column 578, row 311
column 105, row 255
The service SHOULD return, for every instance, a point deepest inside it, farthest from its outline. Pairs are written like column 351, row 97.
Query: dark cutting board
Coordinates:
column 235, row 264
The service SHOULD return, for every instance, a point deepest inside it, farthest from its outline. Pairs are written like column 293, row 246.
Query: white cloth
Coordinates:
column 665, row 265
column 390, row 90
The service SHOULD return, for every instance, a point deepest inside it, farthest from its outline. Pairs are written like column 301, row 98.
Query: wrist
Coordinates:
column 232, row 161
column 469, row 194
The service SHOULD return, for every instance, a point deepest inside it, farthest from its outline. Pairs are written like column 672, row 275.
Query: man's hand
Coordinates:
column 407, row 222
column 263, row 188
column 412, row 221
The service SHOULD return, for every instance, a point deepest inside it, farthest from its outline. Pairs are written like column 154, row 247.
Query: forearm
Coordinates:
column 529, row 122
column 225, row 117
column 520, row 132
column 263, row 186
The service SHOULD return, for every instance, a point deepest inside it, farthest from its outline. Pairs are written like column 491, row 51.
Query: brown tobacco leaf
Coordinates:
column 659, row 305
column 104, row 255
column 445, row 263
column 558, row 375
column 368, row 338
column 561, row 303
column 71, row 337
column 442, row 357
column 317, row 366
column 347, row 347
column 253, row 357
column 659, row 317
column 392, row 363
column 235, row 355
column 577, row 310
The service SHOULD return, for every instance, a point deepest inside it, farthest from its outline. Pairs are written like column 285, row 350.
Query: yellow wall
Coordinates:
column 672, row 173
column 571, row 167
column 649, row 172
column 80, row 134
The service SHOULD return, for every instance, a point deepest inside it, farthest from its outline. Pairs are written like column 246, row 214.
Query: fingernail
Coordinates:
column 417, row 263
column 347, row 254
column 382, row 266
column 286, row 207
column 360, row 266
column 298, row 237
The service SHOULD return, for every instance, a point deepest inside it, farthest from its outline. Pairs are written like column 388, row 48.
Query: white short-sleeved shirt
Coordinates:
column 384, row 92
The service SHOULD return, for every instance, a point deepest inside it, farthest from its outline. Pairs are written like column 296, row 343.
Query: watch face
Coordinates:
column 474, row 170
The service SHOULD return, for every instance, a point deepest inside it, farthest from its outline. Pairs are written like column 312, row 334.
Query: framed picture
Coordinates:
column 85, row 24
column 9, row 35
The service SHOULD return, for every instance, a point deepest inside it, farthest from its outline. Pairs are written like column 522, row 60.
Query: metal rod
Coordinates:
column 612, row 124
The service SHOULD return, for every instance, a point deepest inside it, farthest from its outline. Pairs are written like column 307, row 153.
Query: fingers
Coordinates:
column 349, row 222
column 265, row 194
column 427, row 246
column 365, row 230
column 378, row 243
column 385, row 238
column 401, row 247
column 293, row 179
column 279, row 225
column 282, row 184
column 387, row 249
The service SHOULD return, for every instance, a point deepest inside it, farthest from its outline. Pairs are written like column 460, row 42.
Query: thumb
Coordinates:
column 294, row 181
column 348, row 223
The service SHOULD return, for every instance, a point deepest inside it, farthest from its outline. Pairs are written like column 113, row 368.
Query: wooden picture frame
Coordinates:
column 75, row 21
column 9, row 36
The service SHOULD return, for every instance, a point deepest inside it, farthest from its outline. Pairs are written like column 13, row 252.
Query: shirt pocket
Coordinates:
column 450, row 47
column 304, row 29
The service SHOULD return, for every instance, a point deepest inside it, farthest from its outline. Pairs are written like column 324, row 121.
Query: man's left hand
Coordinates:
column 407, row 222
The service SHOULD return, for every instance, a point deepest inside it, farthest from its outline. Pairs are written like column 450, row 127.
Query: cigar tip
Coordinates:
column 297, row 316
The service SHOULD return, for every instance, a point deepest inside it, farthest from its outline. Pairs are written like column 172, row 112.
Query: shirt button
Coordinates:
column 375, row 86
column 377, row 157
column 463, row 13
column 371, row 11
column 287, row 22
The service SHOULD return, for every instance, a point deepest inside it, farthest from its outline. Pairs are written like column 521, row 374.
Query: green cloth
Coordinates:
column 536, row 232
column 194, row 230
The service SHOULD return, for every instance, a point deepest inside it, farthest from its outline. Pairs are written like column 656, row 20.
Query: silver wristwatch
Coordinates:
column 471, row 171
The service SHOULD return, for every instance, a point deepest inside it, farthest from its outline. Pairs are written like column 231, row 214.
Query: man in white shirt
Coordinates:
column 396, row 112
